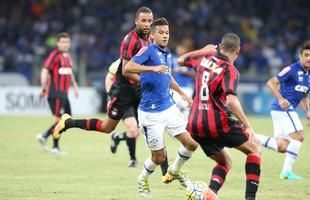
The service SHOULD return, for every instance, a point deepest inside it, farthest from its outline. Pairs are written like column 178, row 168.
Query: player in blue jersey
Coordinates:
column 157, row 111
column 294, row 82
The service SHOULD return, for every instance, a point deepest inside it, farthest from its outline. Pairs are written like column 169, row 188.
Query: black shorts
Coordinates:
column 212, row 146
column 59, row 106
column 131, row 112
column 120, row 105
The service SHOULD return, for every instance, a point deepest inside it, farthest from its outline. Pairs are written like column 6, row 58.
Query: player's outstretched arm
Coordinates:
column 273, row 85
column 208, row 48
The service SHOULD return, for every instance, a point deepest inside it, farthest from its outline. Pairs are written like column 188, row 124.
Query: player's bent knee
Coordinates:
column 298, row 136
column 159, row 159
column 159, row 156
column 282, row 148
column 132, row 132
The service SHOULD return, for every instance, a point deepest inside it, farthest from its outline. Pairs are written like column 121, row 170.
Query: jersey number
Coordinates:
column 204, row 91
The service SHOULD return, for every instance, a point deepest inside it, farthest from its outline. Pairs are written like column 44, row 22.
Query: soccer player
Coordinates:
column 294, row 84
column 157, row 110
column 125, row 92
column 56, row 77
column 129, row 119
column 210, row 122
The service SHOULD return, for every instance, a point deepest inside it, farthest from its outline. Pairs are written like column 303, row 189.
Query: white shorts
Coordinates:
column 153, row 125
column 285, row 123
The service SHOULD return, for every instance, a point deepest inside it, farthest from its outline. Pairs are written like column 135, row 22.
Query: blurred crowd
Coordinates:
column 271, row 31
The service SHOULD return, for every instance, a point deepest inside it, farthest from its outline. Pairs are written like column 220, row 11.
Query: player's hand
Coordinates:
column 160, row 68
column 284, row 103
column 76, row 90
column 43, row 93
column 187, row 99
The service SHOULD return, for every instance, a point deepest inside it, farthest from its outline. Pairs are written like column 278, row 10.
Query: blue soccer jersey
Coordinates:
column 294, row 84
column 155, row 86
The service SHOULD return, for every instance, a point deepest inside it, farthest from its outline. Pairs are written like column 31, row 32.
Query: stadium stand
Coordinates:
column 270, row 30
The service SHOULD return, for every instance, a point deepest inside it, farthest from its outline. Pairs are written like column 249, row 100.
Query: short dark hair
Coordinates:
column 159, row 22
column 230, row 42
column 62, row 35
column 143, row 10
column 305, row 46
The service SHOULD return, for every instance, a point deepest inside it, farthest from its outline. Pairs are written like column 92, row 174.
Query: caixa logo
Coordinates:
column 301, row 88
column 65, row 70
column 24, row 101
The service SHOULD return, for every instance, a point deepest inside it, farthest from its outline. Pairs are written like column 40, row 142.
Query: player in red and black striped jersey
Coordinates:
column 56, row 78
column 125, row 93
column 210, row 121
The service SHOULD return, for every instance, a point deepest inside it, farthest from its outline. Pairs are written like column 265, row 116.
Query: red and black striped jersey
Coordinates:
column 215, row 78
column 59, row 66
column 130, row 46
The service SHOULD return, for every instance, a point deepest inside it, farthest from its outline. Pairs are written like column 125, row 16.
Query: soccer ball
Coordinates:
column 194, row 191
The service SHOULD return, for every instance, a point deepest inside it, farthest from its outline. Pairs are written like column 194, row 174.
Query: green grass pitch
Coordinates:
column 90, row 171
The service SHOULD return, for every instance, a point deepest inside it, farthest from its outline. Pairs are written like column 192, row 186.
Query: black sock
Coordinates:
column 131, row 143
column 49, row 131
column 164, row 166
column 218, row 177
column 55, row 143
column 86, row 124
column 252, row 170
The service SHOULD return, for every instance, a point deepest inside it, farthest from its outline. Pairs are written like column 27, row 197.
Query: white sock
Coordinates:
column 290, row 155
column 183, row 155
column 268, row 142
column 148, row 168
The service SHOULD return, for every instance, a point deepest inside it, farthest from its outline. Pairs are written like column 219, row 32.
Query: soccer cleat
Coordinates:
column 143, row 187
column 57, row 152
column 42, row 141
column 208, row 194
column 114, row 142
column 132, row 163
column 61, row 126
column 290, row 176
column 175, row 174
